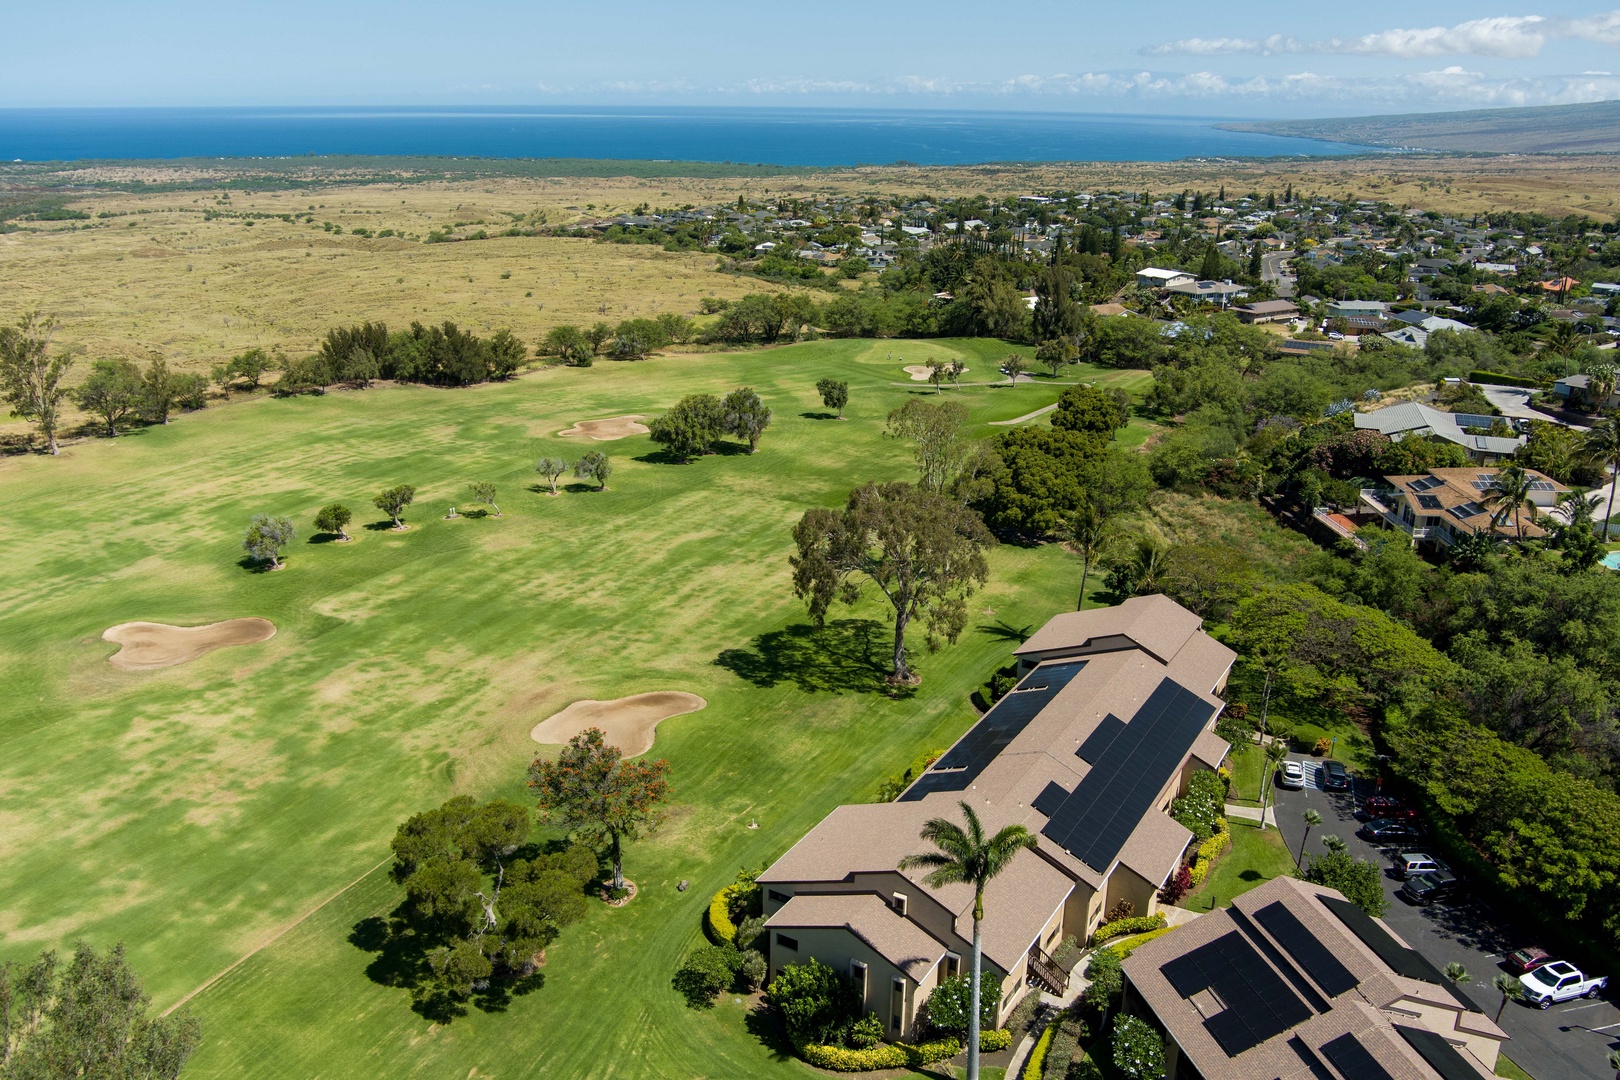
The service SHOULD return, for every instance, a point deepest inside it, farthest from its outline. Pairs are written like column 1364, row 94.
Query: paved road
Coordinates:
column 1274, row 268
column 1566, row 1041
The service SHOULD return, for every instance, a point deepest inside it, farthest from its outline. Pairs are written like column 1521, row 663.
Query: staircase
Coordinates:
column 1045, row 974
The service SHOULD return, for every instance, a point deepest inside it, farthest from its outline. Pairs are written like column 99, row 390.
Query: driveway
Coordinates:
column 1515, row 402
column 1568, row 1040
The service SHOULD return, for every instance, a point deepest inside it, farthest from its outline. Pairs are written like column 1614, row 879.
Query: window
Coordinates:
column 787, row 942
column 897, row 1003
column 779, row 897
column 857, row 975
column 953, row 965
column 899, row 903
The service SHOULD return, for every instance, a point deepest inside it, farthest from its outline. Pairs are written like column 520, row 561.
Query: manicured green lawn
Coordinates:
column 197, row 812
column 1256, row 857
column 1248, row 764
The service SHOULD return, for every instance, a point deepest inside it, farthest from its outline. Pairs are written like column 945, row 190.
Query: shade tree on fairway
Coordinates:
column 1013, row 366
column 596, row 795
column 480, row 901
column 551, row 468
column 334, row 518
column 935, row 430
column 112, row 391
column 744, row 415
column 30, row 379
column 1091, row 411
column 483, row 491
column 266, row 535
column 691, row 428
column 834, row 394
column 594, row 465
column 88, row 1017
column 923, row 551
column 393, row 501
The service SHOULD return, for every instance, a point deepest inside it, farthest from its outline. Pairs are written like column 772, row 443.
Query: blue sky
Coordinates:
column 1168, row 57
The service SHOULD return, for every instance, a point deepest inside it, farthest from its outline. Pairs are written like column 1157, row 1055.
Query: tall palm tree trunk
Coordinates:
column 1614, row 477
column 973, row 1017
column 1085, row 570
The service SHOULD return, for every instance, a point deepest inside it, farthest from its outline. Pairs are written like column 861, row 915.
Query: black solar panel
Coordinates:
column 1259, row 1005
column 1354, row 1061
column 1302, row 986
column 1401, row 960
column 1099, row 815
column 1313, row 957
column 962, row 764
column 1429, row 502
column 1101, row 738
column 1440, row 1054
column 1308, row 1057
column 1050, row 798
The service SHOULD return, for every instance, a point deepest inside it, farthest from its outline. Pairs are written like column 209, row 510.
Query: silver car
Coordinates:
column 1291, row 776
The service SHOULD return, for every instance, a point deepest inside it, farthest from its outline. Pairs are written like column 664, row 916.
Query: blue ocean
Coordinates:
column 821, row 137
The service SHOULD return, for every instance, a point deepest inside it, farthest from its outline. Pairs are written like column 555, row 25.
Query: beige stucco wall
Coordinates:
column 835, row 948
column 1126, row 884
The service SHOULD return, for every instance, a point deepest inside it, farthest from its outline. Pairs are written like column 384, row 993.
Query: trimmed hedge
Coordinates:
column 1036, row 1064
column 1497, row 378
column 884, row 1056
column 1119, row 927
column 720, row 928
column 1123, row 949
column 1208, row 850
column 899, row 1055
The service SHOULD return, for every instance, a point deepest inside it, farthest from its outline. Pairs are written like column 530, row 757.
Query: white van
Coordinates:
column 1409, row 864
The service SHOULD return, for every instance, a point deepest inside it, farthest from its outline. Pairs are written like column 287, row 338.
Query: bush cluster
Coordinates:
column 1200, row 809
column 722, row 931
column 1119, row 927
column 883, row 1056
column 1205, row 856
column 1138, row 1049
column 1065, row 1047
column 950, row 1005
column 1035, row 1064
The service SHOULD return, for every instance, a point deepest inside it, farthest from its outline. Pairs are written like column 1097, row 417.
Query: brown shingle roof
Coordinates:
column 1156, row 624
column 898, row 940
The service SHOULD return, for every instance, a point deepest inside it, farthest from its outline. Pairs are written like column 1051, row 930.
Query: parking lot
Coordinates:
column 1568, row 1040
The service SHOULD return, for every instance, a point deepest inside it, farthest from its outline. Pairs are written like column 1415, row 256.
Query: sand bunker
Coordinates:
column 628, row 722
column 921, row 372
column 614, row 427
column 150, row 645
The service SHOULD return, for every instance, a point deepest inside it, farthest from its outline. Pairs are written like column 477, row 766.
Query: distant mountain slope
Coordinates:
column 1551, row 129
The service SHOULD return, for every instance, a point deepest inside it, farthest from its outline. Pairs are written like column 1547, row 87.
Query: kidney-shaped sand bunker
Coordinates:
column 628, row 722
column 151, row 645
column 614, row 427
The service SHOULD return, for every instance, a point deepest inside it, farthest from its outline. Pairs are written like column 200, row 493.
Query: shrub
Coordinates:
column 1065, row 1045
column 815, row 1001
column 1123, row 949
column 1497, row 378
column 1207, row 852
column 1122, row 910
column 751, row 969
column 892, row 786
column 1200, row 809
column 705, row 973
column 1179, row 885
column 1324, row 745
column 1138, row 1049
column 1138, row 924
column 993, row 1039
column 722, row 931
column 1036, row 1061
column 866, row 1032
column 886, row 1056
column 951, row 1004
column 1106, row 978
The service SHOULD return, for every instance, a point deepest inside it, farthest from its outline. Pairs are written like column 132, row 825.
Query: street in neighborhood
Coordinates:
column 1568, row 1040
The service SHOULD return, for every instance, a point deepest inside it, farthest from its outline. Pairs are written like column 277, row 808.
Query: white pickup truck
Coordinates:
column 1558, row 981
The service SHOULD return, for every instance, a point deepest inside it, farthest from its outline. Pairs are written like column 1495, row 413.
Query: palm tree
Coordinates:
column 1513, row 483
column 1313, row 818
column 1457, row 973
column 1602, row 446
column 1275, row 752
column 966, row 856
column 1088, row 530
column 1333, row 843
column 1509, row 987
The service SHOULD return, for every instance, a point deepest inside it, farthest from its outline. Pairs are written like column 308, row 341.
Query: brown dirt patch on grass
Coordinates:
column 614, row 427
column 628, row 722
column 149, row 645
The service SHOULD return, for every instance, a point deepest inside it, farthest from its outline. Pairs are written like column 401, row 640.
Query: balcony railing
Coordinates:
column 1045, row 974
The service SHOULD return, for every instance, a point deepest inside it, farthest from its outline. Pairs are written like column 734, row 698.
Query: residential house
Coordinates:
column 1151, row 277
column 1267, row 311
column 1448, row 505
column 1427, row 322
column 1345, row 309
column 1413, row 418
column 1214, row 292
column 1576, row 390
column 1294, row 982
column 1114, row 710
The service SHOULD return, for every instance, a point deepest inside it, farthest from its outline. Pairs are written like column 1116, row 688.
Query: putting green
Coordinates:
column 201, row 812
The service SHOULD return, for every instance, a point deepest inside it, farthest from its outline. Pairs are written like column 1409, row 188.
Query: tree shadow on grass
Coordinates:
column 385, row 525
column 254, row 566
column 819, row 415
column 847, row 654
column 324, row 538
column 401, row 963
column 765, row 1024
column 1000, row 629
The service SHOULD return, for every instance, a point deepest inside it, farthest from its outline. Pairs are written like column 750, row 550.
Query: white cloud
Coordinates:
column 1503, row 36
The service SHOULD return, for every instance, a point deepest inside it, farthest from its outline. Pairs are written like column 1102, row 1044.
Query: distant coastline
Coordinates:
column 741, row 138
column 1592, row 128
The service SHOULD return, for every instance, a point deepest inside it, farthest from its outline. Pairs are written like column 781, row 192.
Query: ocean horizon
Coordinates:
column 773, row 136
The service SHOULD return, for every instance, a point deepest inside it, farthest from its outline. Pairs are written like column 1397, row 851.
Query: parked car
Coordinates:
column 1335, row 777
column 1435, row 887
column 1520, row 961
column 1380, row 830
column 1558, row 981
column 1384, row 806
column 1291, row 776
column 1409, row 864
